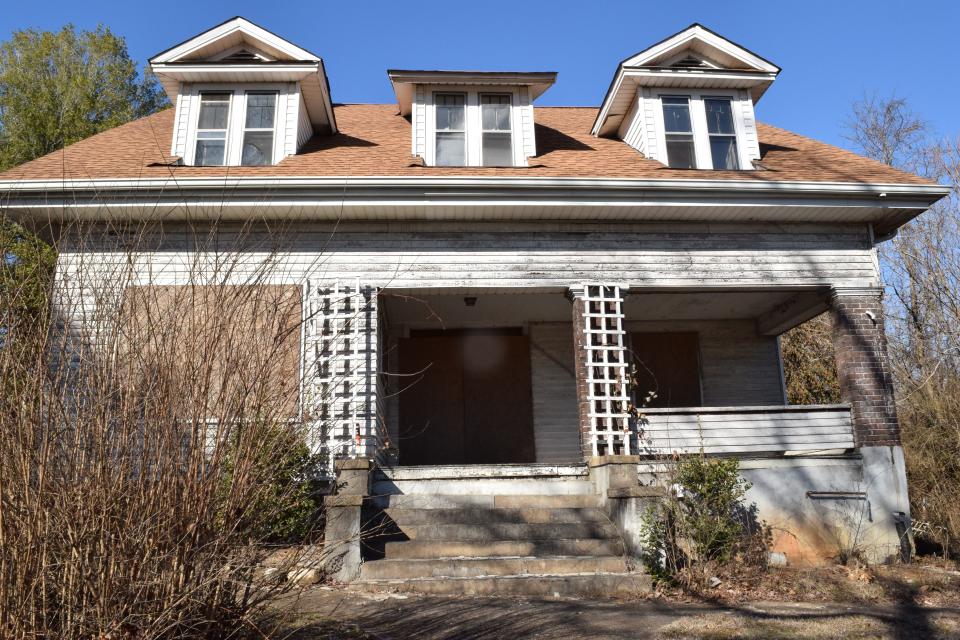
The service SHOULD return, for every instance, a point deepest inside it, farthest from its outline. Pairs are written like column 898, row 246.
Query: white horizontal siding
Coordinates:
column 738, row 430
column 469, row 259
column 181, row 122
column 304, row 127
column 527, row 131
column 633, row 128
column 419, row 119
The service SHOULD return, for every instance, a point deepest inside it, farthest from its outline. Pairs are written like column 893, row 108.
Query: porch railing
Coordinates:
column 733, row 430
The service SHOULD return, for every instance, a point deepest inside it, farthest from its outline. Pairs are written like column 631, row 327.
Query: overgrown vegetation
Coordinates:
column 920, row 266
column 809, row 369
column 154, row 449
column 705, row 523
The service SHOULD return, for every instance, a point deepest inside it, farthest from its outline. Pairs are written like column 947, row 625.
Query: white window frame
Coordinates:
column 512, row 131
column 474, row 122
column 226, row 131
column 698, row 122
column 273, row 129
column 466, row 125
column 236, row 125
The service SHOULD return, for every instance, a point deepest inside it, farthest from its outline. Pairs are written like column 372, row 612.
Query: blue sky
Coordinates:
column 832, row 53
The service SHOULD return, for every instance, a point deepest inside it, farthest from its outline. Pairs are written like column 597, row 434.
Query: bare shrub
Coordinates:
column 152, row 439
column 809, row 367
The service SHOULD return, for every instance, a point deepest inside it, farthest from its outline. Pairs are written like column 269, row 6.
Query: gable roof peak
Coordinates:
column 235, row 32
column 708, row 43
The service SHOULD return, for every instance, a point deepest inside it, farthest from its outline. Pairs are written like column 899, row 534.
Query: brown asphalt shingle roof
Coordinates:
column 375, row 141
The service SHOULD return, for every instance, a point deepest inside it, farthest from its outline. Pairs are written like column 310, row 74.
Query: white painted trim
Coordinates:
column 238, row 24
column 474, row 129
column 683, row 40
column 685, row 186
column 698, row 117
column 235, row 129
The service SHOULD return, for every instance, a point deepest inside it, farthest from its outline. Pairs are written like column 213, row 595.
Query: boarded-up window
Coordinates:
column 668, row 364
column 216, row 351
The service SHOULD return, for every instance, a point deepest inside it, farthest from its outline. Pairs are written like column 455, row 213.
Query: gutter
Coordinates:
column 929, row 192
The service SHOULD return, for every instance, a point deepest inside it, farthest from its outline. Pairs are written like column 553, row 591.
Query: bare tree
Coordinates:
column 921, row 270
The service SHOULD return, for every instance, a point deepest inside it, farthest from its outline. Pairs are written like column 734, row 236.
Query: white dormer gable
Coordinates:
column 470, row 118
column 688, row 101
column 243, row 95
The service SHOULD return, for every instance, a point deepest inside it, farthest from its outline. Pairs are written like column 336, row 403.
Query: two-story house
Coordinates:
column 538, row 269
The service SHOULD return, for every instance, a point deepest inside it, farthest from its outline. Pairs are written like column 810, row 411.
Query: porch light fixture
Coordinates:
column 470, row 301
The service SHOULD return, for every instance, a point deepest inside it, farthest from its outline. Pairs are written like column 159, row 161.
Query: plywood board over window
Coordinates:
column 213, row 352
column 667, row 363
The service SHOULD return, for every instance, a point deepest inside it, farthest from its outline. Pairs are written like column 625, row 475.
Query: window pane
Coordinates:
column 450, row 118
column 495, row 112
column 676, row 115
column 680, row 154
column 497, row 150
column 257, row 148
column 719, row 115
column 496, row 117
column 450, row 111
column 260, row 110
column 451, row 150
column 213, row 111
column 724, row 152
column 209, row 153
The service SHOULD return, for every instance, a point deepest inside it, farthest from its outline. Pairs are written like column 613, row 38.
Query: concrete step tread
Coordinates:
column 570, row 547
column 484, row 515
column 493, row 566
column 603, row 585
column 510, row 531
column 488, row 501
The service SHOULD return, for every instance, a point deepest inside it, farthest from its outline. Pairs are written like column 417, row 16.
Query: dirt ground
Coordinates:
column 331, row 614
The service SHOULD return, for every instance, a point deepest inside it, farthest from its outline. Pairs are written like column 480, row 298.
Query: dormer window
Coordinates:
column 497, row 134
column 259, row 128
column 451, row 136
column 212, row 123
column 679, row 132
column 470, row 118
column 722, row 132
column 236, row 127
column 700, row 132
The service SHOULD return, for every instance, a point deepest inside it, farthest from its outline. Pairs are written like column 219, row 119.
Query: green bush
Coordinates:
column 705, row 523
column 288, row 507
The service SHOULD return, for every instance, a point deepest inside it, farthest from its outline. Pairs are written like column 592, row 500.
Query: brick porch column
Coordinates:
column 862, row 366
column 581, row 371
column 600, row 368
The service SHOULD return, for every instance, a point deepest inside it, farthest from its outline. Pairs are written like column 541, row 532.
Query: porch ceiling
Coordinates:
column 436, row 308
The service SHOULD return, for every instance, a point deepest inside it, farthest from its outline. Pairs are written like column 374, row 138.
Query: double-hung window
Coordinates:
column 258, row 129
column 497, row 136
column 723, row 135
column 451, row 131
column 700, row 132
column 678, row 126
column 212, row 125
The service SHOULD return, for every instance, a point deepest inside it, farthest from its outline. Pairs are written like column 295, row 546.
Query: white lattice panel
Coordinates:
column 341, row 369
column 608, row 391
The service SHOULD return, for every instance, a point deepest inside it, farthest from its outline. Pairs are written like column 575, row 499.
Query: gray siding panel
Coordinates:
column 556, row 432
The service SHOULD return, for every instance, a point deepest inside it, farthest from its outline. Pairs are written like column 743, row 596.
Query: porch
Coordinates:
column 517, row 376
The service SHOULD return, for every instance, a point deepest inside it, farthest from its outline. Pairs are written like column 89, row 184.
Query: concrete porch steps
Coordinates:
column 406, row 569
column 434, row 549
column 538, row 535
column 596, row 585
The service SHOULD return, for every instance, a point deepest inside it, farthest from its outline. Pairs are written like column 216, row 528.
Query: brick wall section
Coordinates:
column 580, row 368
column 863, row 369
